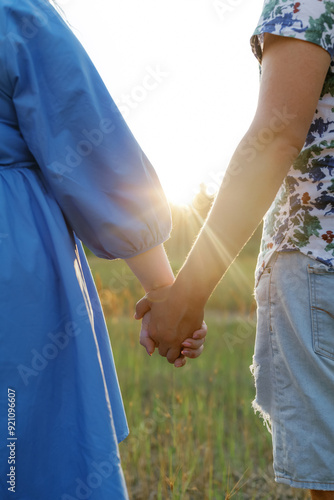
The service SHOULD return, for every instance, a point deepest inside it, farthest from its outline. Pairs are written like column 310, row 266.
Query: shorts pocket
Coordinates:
column 261, row 289
column 322, row 309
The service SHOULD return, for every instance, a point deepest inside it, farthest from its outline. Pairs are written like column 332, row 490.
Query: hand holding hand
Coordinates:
column 191, row 347
column 168, row 322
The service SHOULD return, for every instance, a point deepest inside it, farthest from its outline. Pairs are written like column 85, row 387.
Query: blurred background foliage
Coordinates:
column 193, row 432
column 119, row 289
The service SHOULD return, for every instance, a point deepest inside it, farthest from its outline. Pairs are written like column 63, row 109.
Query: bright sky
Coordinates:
column 183, row 75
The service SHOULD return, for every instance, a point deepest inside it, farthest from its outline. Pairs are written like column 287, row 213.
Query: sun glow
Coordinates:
column 183, row 76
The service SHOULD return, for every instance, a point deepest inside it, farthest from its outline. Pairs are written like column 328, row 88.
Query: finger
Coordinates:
column 172, row 354
column 188, row 353
column 193, row 344
column 142, row 307
column 180, row 361
column 163, row 349
column 145, row 339
column 201, row 333
column 148, row 343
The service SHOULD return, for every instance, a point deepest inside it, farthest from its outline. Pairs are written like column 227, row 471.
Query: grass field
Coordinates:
column 193, row 432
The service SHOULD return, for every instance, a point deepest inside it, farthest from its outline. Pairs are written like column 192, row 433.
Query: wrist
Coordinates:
column 189, row 292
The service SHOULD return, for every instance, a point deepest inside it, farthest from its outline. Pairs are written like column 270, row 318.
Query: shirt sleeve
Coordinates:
column 308, row 20
column 102, row 180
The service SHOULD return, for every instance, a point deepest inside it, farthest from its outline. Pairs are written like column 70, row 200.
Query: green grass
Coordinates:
column 193, row 432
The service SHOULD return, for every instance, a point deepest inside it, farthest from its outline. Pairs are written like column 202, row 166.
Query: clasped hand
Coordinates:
column 172, row 325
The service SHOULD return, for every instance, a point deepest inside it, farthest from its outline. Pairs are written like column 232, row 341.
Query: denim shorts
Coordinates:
column 293, row 367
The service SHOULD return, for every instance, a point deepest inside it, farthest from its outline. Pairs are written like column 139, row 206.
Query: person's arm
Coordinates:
column 152, row 268
column 293, row 73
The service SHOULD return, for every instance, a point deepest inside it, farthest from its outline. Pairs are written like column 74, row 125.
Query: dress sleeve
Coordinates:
column 103, row 182
column 308, row 20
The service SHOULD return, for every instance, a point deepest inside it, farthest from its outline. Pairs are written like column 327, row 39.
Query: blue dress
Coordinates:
column 70, row 171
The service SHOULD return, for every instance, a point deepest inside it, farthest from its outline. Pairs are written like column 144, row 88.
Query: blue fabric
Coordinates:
column 70, row 170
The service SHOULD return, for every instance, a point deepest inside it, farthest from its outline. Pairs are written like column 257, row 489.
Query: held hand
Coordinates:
column 171, row 322
column 191, row 347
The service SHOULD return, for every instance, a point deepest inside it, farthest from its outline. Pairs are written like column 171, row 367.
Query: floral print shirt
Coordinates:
column 302, row 214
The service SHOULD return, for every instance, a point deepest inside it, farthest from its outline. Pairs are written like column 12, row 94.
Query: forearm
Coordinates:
column 289, row 95
column 152, row 268
column 247, row 192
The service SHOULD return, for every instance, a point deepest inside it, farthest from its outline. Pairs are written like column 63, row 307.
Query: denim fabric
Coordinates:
column 293, row 367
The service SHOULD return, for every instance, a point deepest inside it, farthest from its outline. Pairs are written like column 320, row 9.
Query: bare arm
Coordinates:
column 152, row 268
column 293, row 73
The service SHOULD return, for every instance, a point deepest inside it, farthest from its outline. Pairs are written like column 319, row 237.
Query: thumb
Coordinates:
column 142, row 307
column 145, row 339
column 148, row 343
